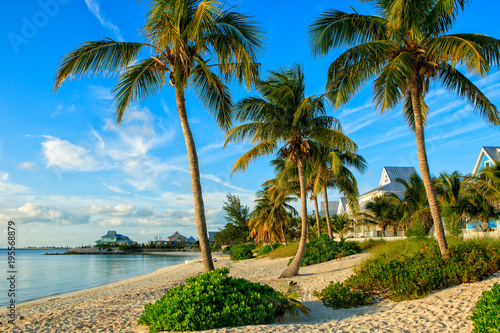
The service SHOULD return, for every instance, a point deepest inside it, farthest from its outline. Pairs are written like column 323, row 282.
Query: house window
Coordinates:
column 386, row 179
column 487, row 164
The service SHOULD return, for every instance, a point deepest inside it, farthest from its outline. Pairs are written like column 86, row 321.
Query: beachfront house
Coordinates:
column 191, row 240
column 388, row 184
column 114, row 239
column 487, row 157
column 177, row 239
column 335, row 207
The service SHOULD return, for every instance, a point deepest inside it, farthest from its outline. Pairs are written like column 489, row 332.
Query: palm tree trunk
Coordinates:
column 317, row 215
column 294, row 267
column 327, row 214
column 199, row 207
column 424, row 170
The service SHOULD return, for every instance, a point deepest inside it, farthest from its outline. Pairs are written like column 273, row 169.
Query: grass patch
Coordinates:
column 283, row 251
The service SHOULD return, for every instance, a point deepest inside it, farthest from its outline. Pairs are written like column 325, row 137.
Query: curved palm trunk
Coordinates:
column 294, row 267
column 199, row 207
column 317, row 215
column 424, row 170
column 327, row 214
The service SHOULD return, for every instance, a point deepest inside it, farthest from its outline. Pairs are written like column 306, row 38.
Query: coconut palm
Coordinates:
column 402, row 50
column 271, row 216
column 284, row 120
column 341, row 224
column 192, row 44
column 331, row 169
column 452, row 191
column 488, row 184
column 382, row 212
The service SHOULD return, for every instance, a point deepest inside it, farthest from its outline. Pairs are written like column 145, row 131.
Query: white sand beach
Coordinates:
column 117, row 307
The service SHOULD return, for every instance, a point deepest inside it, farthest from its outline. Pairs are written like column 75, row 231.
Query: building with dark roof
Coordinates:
column 112, row 238
column 177, row 239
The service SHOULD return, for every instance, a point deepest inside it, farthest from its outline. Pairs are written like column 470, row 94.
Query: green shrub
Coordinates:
column 415, row 275
column 322, row 249
column 267, row 249
column 418, row 230
column 242, row 251
column 338, row 295
column 486, row 316
column 209, row 301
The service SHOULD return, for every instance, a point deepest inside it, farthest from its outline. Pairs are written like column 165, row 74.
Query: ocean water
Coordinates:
column 39, row 275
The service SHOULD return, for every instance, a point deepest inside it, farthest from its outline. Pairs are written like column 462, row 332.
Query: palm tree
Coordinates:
column 331, row 168
column 287, row 121
column 487, row 183
column 403, row 50
column 271, row 216
column 382, row 212
column 452, row 191
column 193, row 44
column 341, row 224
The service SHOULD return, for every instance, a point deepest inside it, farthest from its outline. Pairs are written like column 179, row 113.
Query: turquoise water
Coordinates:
column 40, row 275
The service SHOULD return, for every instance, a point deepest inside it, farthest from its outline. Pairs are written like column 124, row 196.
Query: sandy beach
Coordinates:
column 116, row 307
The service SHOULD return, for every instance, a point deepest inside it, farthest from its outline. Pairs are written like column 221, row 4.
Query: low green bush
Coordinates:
column 486, row 315
column 214, row 299
column 338, row 295
column 267, row 249
column 322, row 249
column 242, row 251
column 416, row 275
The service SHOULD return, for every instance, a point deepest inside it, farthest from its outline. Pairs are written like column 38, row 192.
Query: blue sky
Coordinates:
column 68, row 173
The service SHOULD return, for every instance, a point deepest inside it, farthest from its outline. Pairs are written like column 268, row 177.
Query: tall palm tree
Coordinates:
column 331, row 168
column 414, row 201
column 193, row 44
column 403, row 50
column 284, row 120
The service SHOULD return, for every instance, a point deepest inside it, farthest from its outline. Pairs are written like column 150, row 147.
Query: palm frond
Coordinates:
column 456, row 82
column 334, row 28
column 137, row 82
column 106, row 58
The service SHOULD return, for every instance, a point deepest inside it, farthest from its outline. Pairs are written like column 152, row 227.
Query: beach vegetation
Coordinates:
column 282, row 251
column 283, row 120
column 201, row 49
column 214, row 299
column 337, row 295
column 268, row 248
column 407, row 273
column 401, row 52
column 322, row 249
column 486, row 315
column 242, row 251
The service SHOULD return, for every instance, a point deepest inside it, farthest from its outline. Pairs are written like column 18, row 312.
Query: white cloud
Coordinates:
column 28, row 165
column 114, row 188
column 67, row 156
column 3, row 175
column 31, row 212
column 94, row 8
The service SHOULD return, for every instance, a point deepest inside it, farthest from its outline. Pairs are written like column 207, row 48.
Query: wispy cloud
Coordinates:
column 94, row 8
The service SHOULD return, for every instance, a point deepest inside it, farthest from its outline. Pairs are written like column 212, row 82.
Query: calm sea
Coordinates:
column 40, row 275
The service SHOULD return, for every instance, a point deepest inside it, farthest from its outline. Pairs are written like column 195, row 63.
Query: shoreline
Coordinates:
column 106, row 285
column 116, row 307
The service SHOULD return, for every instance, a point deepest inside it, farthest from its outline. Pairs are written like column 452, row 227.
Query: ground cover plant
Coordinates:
column 414, row 274
column 486, row 315
column 322, row 249
column 242, row 251
column 283, row 251
column 214, row 299
column 267, row 249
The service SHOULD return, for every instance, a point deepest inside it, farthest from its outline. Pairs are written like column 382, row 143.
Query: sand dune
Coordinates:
column 116, row 307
